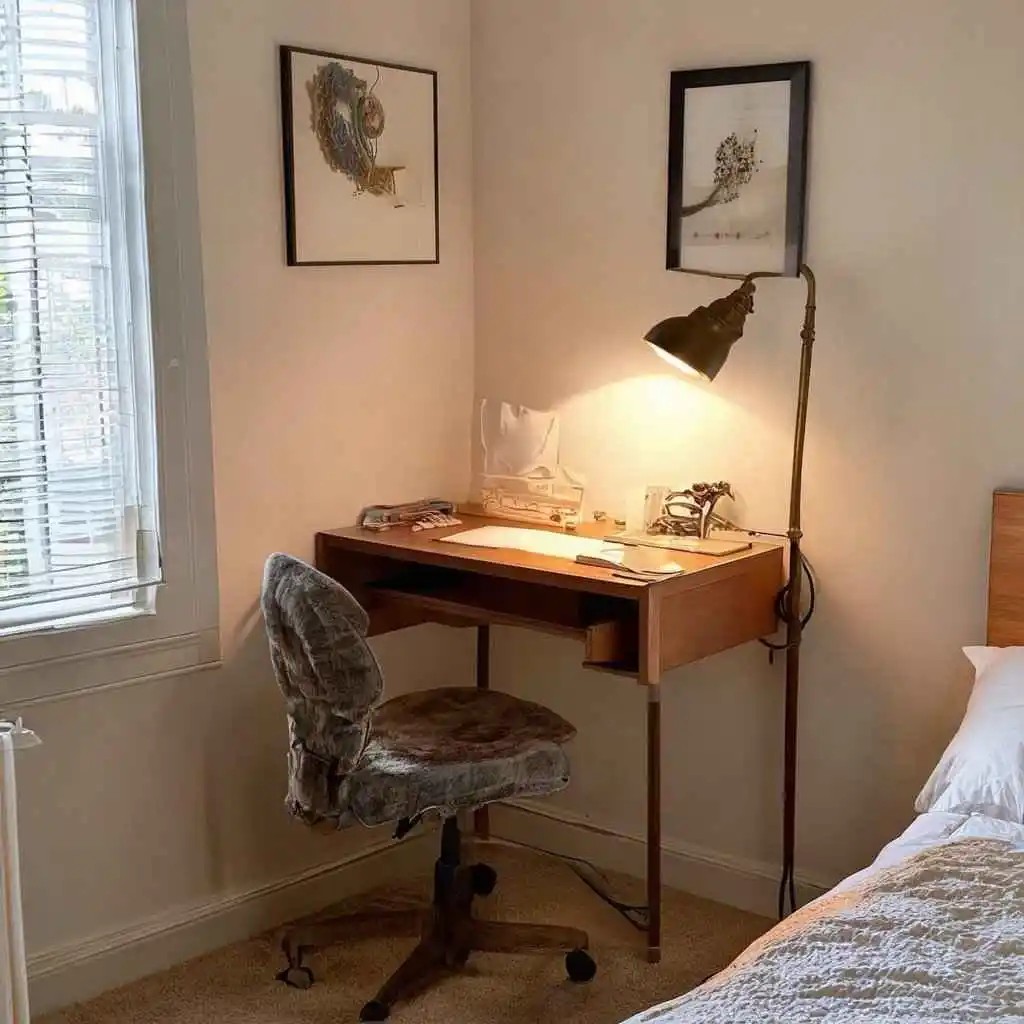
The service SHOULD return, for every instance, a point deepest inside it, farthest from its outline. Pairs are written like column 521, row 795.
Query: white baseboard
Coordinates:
column 79, row 970
column 747, row 884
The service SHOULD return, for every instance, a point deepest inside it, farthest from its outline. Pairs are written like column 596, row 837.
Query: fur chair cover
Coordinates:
column 349, row 759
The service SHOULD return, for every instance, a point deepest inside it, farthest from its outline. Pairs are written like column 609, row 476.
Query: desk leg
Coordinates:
column 482, row 817
column 654, row 824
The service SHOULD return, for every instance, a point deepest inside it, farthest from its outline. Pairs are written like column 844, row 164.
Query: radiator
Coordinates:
column 13, row 974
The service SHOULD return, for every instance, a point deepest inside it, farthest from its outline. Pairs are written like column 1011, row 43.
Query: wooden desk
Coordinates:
column 631, row 628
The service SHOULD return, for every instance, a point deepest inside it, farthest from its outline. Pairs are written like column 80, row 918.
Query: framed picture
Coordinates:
column 737, row 169
column 360, row 160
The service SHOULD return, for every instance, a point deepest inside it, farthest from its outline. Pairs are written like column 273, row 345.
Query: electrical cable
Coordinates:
column 782, row 611
column 637, row 914
column 783, row 892
column 787, row 881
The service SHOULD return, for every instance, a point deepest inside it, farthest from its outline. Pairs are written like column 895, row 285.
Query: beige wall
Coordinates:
column 336, row 386
column 916, row 231
column 331, row 388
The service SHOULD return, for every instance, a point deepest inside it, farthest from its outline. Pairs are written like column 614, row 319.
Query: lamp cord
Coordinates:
column 781, row 605
column 787, row 881
column 787, row 887
column 637, row 914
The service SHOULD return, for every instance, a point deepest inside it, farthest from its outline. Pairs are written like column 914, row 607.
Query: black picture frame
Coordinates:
column 798, row 74
column 285, row 55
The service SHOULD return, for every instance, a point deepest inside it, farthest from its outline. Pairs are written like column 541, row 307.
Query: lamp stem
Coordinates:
column 794, row 626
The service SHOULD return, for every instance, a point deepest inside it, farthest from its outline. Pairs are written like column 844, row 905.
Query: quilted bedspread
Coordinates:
column 936, row 939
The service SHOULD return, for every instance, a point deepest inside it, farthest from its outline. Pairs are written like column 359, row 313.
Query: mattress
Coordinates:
column 931, row 933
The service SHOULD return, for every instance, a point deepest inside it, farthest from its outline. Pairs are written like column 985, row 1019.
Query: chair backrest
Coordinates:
column 329, row 677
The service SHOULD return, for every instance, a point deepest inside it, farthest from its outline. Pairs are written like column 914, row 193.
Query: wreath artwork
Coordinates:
column 348, row 119
column 359, row 141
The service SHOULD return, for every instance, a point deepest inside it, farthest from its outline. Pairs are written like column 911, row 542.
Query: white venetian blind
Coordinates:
column 77, row 451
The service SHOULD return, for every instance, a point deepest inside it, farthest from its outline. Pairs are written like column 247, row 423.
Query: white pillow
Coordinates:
column 982, row 769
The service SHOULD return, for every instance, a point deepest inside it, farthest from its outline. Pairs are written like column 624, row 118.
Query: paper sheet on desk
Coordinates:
column 538, row 542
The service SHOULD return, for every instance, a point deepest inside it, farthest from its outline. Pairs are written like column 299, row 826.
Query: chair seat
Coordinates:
column 455, row 749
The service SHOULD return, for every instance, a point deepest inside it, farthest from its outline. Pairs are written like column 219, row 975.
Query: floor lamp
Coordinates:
column 700, row 344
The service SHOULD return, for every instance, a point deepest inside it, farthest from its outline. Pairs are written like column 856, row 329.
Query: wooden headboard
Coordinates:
column 1006, row 571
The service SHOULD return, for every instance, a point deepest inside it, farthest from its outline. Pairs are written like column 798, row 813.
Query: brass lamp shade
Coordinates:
column 700, row 343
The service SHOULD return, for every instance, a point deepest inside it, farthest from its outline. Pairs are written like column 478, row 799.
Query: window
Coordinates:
column 77, row 442
column 106, row 482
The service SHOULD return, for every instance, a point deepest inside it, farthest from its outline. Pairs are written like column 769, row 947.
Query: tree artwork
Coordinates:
column 735, row 164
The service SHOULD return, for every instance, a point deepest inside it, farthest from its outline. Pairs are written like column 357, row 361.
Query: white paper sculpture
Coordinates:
column 522, row 478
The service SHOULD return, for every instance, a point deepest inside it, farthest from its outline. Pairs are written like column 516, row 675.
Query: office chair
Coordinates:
column 432, row 753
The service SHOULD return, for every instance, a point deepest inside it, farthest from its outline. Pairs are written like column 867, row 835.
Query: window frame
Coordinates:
column 183, row 632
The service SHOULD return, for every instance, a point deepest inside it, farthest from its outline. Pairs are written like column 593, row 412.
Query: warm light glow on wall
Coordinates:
column 659, row 428
column 642, row 425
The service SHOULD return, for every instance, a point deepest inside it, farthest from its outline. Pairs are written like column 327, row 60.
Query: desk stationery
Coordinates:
column 637, row 628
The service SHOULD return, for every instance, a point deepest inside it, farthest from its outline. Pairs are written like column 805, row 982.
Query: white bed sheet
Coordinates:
column 932, row 829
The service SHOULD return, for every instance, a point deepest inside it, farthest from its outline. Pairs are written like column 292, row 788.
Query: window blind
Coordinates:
column 78, row 530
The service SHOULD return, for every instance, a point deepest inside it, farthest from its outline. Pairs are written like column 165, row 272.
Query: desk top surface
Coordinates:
column 423, row 547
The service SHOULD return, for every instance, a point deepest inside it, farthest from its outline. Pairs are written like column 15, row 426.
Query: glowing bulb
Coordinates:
column 676, row 362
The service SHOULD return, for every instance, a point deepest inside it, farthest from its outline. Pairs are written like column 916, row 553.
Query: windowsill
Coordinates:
column 48, row 679
column 63, row 624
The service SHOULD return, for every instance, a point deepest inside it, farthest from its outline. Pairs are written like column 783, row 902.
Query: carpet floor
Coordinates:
column 236, row 985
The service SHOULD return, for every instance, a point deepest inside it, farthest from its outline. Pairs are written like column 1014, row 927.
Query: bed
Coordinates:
column 933, row 930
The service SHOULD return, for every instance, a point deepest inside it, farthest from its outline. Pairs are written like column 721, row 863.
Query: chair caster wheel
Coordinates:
column 374, row 1010
column 296, row 977
column 484, row 878
column 580, row 966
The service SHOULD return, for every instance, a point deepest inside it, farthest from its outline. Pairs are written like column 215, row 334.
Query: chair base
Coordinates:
column 448, row 932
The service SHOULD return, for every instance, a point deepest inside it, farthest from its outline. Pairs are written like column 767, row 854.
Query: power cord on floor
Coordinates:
column 636, row 914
